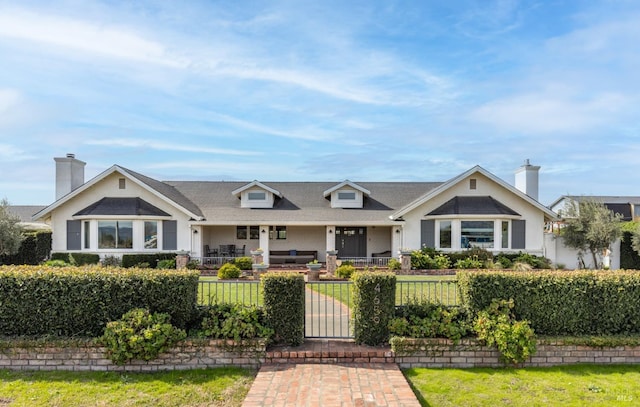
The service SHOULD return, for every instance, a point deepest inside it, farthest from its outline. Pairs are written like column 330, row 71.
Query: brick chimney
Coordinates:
column 69, row 174
column 527, row 179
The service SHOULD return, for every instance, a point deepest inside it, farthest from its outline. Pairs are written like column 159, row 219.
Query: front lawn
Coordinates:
column 204, row 387
column 574, row 385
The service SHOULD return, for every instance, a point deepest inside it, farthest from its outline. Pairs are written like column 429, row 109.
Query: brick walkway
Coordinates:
column 329, row 373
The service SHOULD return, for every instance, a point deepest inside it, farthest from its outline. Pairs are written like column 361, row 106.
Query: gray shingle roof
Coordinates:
column 473, row 205
column 301, row 201
column 121, row 206
column 25, row 212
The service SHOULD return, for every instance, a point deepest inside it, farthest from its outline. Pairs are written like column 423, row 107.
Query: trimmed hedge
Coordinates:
column 569, row 303
column 34, row 249
column 629, row 258
column 374, row 296
column 80, row 259
column 284, row 304
column 152, row 259
column 79, row 301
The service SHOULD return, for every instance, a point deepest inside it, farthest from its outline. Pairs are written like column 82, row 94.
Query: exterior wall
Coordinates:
column 442, row 353
column 558, row 253
column 188, row 355
column 378, row 239
column 484, row 187
column 109, row 187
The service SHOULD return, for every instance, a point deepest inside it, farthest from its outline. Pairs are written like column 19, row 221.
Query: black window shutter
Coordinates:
column 428, row 233
column 73, row 234
column 169, row 235
column 518, row 230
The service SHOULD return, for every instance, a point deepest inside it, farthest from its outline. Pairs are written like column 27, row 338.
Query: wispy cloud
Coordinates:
column 164, row 146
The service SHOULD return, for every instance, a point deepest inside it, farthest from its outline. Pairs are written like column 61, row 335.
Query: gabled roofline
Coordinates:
column 447, row 185
column 258, row 184
column 345, row 183
column 113, row 169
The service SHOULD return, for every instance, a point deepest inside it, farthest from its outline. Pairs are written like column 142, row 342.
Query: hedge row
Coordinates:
column 77, row 259
column 561, row 302
column 629, row 258
column 152, row 259
column 34, row 249
column 284, row 305
column 374, row 296
column 79, row 301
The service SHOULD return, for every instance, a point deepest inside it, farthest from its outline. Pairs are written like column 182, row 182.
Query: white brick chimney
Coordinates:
column 69, row 174
column 527, row 179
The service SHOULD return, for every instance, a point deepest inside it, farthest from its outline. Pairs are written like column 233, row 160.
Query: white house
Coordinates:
column 121, row 211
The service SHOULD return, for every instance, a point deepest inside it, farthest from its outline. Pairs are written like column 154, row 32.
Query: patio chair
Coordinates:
column 240, row 251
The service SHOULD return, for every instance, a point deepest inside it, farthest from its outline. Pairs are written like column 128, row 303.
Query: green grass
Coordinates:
column 445, row 293
column 204, row 387
column 212, row 291
column 574, row 385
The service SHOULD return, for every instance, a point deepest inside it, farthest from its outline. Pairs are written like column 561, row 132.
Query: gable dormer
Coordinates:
column 346, row 194
column 256, row 195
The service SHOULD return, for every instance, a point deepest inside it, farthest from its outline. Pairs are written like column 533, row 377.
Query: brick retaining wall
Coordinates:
column 89, row 357
column 468, row 353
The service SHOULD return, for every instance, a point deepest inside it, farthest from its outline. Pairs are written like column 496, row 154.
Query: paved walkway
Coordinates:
column 316, row 374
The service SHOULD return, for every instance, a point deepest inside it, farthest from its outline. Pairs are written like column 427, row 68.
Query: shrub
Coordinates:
column 229, row 271
column 166, row 264
column 34, row 248
column 429, row 259
column 423, row 319
column 345, row 271
column 56, row 263
column 193, row 265
column 284, row 302
column 140, row 335
column 537, row 262
column 469, row 263
column 79, row 301
column 77, row 259
column 373, row 306
column 629, row 258
column 394, row 264
column 496, row 326
column 235, row 321
column 243, row 263
column 111, row 261
column 569, row 303
column 132, row 260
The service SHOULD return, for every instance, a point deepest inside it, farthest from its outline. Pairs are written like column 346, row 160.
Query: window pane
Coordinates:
column 256, row 196
column 151, row 235
column 87, row 235
column 445, row 234
column 281, row 232
column 505, row 234
column 125, row 234
column 254, row 232
column 106, row 234
column 476, row 233
column 347, row 195
column 241, row 232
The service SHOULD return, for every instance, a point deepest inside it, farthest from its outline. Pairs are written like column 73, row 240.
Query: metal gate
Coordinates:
column 328, row 309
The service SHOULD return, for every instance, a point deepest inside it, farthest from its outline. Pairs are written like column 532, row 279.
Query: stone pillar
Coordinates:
column 405, row 261
column 182, row 258
column 332, row 260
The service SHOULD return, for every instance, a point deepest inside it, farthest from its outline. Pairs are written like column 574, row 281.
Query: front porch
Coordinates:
column 364, row 246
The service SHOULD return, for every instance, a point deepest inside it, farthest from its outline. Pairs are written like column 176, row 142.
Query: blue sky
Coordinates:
column 322, row 91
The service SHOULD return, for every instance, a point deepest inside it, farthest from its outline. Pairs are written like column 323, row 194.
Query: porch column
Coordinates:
column 264, row 242
column 196, row 241
column 396, row 239
column 330, row 238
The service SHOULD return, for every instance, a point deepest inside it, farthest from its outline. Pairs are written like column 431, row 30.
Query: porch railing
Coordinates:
column 366, row 261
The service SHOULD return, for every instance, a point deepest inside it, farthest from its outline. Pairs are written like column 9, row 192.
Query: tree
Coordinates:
column 10, row 230
column 591, row 226
column 635, row 239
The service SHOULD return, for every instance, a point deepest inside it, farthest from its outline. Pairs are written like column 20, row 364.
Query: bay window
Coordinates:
column 150, row 235
column 115, row 234
column 456, row 234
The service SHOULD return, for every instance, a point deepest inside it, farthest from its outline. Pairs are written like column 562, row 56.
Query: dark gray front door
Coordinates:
column 351, row 241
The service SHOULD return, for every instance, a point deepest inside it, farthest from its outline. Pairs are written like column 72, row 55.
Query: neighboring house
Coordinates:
column 627, row 206
column 121, row 211
column 25, row 214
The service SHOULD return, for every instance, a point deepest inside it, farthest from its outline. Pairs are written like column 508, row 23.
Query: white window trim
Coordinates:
column 456, row 233
column 137, row 232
